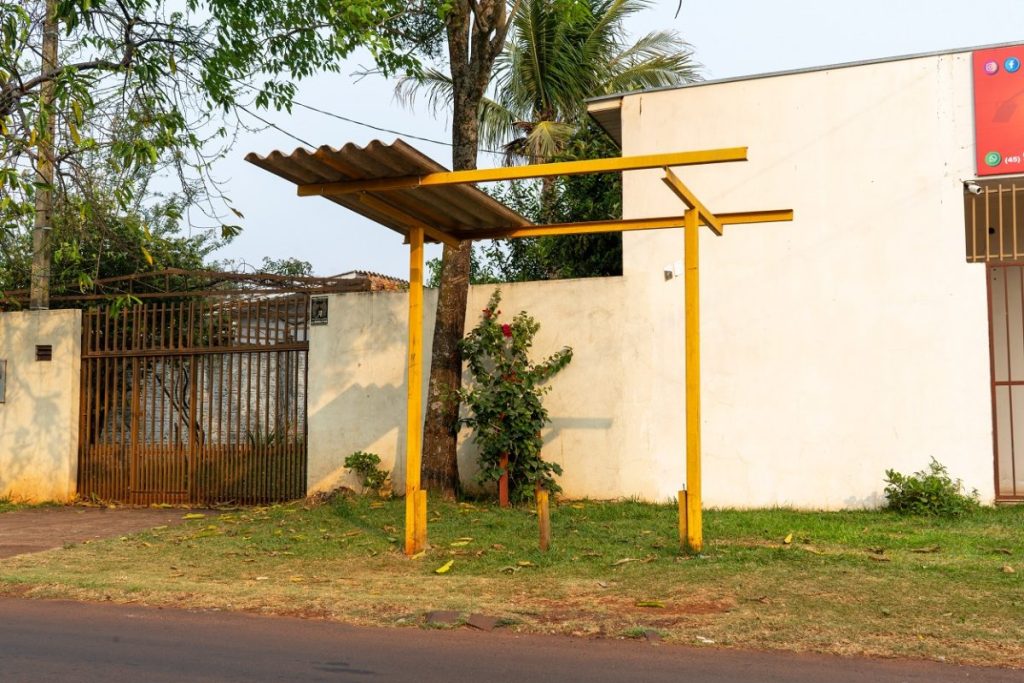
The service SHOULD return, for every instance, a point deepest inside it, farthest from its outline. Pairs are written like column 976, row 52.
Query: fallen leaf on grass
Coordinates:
column 1007, row 569
column 194, row 515
column 624, row 560
column 262, row 578
column 296, row 579
column 929, row 549
column 650, row 603
column 879, row 558
column 525, row 563
column 418, row 555
column 706, row 641
column 444, row 568
column 457, row 544
column 812, row 550
column 788, row 539
column 1003, row 551
column 349, row 534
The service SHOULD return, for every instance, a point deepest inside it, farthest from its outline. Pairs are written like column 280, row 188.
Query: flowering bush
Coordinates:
column 504, row 403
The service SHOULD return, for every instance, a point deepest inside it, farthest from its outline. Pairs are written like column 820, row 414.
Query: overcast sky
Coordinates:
column 730, row 38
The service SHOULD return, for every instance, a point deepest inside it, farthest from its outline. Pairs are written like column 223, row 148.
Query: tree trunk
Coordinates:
column 475, row 37
column 39, row 292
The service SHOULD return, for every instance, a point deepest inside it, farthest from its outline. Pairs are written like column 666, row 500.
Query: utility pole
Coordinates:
column 39, row 296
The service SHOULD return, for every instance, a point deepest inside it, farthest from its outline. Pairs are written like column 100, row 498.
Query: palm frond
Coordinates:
column 432, row 84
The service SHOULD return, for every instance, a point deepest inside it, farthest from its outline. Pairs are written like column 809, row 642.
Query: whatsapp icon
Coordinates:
column 993, row 158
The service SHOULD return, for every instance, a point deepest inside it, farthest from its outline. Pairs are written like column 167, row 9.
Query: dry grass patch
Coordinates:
column 867, row 583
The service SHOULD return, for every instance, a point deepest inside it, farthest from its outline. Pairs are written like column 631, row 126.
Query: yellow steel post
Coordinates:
column 691, row 283
column 415, row 500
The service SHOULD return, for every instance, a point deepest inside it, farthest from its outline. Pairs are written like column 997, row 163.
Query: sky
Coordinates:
column 729, row 37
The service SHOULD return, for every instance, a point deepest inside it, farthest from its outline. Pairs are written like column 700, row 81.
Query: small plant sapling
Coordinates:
column 504, row 400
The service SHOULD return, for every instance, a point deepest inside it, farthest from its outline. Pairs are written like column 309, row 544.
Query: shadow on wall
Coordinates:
column 467, row 451
column 357, row 385
column 32, row 466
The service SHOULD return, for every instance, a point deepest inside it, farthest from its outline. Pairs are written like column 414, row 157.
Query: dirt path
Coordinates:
column 38, row 529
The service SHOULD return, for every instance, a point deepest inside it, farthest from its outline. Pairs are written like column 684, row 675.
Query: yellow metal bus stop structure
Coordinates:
column 400, row 188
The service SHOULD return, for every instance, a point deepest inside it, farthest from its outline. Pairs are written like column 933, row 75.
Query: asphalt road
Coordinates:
column 68, row 642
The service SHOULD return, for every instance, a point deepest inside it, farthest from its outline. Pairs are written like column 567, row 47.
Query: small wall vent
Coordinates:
column 44, row 352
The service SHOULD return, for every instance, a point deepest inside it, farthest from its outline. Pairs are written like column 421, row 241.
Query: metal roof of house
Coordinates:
column 455, row 210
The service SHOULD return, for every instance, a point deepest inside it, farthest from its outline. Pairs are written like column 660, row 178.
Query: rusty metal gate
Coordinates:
column 194, row 401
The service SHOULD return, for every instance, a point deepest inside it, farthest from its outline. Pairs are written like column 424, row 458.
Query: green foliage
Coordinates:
column 148, row 86
column 558, row 54
column 367, row 467
column 94, row 238
column 504, row 400
column 567, row 199
column 929, row 492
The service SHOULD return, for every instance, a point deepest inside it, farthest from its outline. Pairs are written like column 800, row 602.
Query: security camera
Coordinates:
column 973, row 188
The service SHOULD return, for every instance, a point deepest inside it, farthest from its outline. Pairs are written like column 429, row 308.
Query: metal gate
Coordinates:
column 1006, row 326
column 195, row 401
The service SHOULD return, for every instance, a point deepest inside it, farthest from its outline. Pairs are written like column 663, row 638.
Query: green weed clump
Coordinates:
column 930, row 492
column 367, row 467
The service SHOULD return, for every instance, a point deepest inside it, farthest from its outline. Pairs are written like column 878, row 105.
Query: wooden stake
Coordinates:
column 544, row 519
column 503, row 482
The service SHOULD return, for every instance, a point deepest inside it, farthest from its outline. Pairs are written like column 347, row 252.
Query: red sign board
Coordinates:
column 999, row 110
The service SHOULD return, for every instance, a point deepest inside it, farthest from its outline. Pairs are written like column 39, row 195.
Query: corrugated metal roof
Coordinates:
column 457, row 210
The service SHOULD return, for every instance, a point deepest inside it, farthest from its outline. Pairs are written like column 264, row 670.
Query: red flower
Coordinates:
column 506, row 330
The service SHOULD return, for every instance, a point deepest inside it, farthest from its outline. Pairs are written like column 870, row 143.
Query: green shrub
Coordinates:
column 504, row 402
column 366, row 465
column 928, row 492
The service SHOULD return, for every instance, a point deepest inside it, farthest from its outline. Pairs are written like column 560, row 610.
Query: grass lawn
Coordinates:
column 867, row 583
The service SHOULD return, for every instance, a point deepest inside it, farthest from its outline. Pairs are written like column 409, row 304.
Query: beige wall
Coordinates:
column 855, row 338
column 357, row 382
column 39, row 418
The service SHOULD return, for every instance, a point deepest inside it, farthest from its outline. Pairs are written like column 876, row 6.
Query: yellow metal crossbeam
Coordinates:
column 691, row 201
column 559, row 168
column 624, row 225
column 407, row 220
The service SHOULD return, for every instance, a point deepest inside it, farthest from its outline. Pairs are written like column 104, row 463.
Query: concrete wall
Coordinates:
column 357, row 383
column 39, row 417
column 849, row 341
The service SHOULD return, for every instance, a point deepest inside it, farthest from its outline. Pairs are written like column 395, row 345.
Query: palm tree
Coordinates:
column 559, row 53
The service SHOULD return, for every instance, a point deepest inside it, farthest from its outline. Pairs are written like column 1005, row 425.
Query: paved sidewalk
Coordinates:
column 38, row 529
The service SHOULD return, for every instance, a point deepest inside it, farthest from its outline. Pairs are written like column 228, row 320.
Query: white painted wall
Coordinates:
column 357, row 383
column 39, row 417
column 852, row 340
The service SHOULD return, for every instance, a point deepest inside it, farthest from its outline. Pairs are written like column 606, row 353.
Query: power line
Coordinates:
column 383, row 130
column 357, row 123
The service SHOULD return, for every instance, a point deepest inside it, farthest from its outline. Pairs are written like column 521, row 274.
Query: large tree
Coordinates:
column 139, row 85
column 475, row 32
column 528, row 96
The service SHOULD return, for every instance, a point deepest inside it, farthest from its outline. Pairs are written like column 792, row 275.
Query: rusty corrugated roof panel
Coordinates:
column 458, row 210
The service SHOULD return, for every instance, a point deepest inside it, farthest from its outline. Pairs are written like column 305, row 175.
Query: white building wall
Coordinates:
column 852, row 340
column 40, row 413
column 357, row 384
